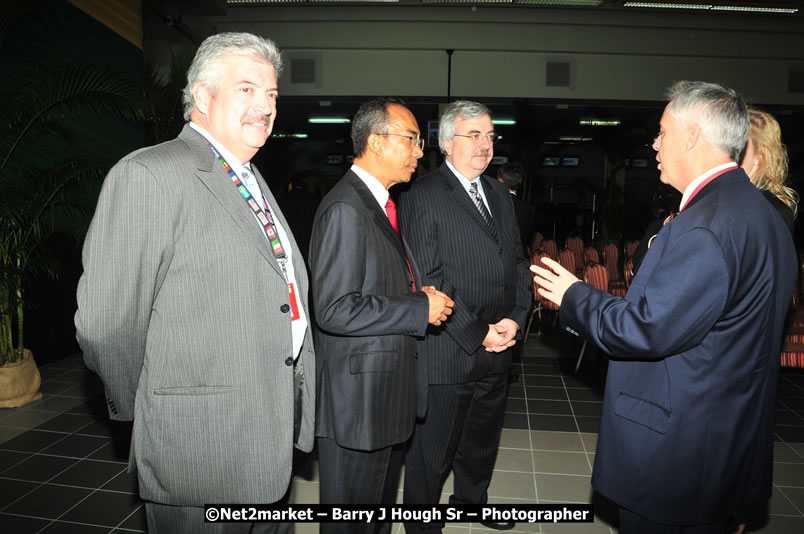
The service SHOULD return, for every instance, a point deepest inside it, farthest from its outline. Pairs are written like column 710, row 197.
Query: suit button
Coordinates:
column 284, row 308
column 289, row 361
column 501, row 252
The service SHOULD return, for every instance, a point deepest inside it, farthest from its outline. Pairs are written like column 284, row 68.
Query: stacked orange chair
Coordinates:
column 596, row 276
column 575, row 244
column 611, row 260
column 549, row 246
column 590, row 255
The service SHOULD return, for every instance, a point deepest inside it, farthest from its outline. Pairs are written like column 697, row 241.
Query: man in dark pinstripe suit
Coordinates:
column 462, row 231
column 368, row 312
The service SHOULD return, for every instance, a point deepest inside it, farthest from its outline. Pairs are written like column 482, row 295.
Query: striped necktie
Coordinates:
column 481, row 207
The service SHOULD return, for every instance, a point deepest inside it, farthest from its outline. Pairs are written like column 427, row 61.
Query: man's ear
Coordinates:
column 447, row 144
column 374, row 144
column 693, row 136
column 202, row 98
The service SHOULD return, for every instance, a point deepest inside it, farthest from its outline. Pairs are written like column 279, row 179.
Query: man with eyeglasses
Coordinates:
column 370, row 305
column 461, row 228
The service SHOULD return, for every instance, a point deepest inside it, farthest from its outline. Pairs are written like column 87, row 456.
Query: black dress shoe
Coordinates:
column 502, row 525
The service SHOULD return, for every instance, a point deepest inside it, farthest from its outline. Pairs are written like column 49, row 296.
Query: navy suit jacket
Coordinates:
column 686, row 429
column 485, row 274
column 367, row 317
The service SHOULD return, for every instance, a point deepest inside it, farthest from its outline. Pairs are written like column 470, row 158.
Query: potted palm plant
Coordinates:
column 36, row 174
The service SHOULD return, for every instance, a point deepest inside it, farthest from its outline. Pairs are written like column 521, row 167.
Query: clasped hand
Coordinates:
column 440, row 305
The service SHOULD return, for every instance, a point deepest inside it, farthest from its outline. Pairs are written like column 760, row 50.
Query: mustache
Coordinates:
column 258, row 117
column 484, row 153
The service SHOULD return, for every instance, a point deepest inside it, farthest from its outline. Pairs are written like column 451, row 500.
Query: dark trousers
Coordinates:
column 166, row 519
column 631, row 523
column 461, row 431
column 349, row 476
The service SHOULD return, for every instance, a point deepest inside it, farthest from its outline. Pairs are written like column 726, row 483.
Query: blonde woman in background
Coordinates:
column 765, row 162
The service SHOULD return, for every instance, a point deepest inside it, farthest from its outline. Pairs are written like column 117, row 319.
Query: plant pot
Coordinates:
column 19, row 382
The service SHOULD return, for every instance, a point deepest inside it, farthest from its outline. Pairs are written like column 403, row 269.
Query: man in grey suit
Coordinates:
column 463, row 233
column 193, row 303
column 368, row 311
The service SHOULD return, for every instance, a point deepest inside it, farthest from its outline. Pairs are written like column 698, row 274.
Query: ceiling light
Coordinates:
column 598, row 122
column 328, row 120
column 503, row 122
column 726, row 6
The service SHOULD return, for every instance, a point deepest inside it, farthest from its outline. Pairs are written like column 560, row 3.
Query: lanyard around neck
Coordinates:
column 264, row 216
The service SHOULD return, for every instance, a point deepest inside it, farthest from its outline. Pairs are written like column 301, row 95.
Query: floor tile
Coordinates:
column 53, row 387
column 556, row 441
column 516, row 406
column 783, row 452
column 543, row 380
column 795, row 496
column 780, row 504
column 515, row 391
column 784, row 525
column 584, row 394
column 11, row 458
column 305, row 492
column 511, row 438
column 788, row 474
column 588, row 424
column 66, row 422
column 587, row 408
column 136, row 521
column 48, row 501
column 32, row 441
column 567, row 463
column 13, row 490
column 550, row 407
column 104, row 508
column 546, row 393
column 21, row 525
column 564, row 488
column 116, row 451
column 107, row 428
column 513, row 420
column 60, row 527
column 89, row 474
column 514, row 460
column 77, row 446
column 558, row 423
column 28, row 419
column 7, row 433
column 508, row 484
column 589, row 441
column 124, row 481
column 39, row 468
column 56, row 404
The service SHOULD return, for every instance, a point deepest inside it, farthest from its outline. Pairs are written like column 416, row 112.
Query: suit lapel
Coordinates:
column 380, row 218
column 463, row 200
column 212, row 174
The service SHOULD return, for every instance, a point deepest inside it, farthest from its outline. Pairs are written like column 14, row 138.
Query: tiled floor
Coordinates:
column 63, row 463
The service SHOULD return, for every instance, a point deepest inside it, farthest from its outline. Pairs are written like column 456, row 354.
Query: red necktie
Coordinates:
column 390, row 209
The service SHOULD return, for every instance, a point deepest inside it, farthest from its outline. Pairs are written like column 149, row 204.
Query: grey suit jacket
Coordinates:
column 485, row 273
column 182, row 313
column 367, row 317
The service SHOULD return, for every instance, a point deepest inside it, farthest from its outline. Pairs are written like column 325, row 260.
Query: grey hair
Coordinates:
column 206, row 65
column 721, row 113
column 466, row 110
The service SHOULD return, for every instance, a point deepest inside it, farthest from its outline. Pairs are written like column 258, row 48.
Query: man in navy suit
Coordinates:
column 686, row 431
column 369, row 307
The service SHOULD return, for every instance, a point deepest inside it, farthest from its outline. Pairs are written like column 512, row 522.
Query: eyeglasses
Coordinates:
column 492, row 138
column 415, row 140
